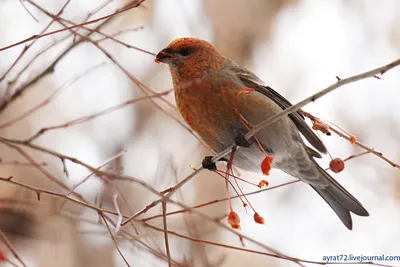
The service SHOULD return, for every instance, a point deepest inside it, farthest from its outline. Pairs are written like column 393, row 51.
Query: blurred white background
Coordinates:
column 295, row 46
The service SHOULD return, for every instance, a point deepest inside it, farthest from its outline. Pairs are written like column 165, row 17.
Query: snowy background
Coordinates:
column 296, row 46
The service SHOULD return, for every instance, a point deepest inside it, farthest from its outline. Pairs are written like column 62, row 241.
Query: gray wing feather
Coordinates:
column 251, row 81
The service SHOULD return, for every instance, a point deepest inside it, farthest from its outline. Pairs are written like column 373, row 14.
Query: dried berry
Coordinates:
column 258, row 218
column 321, row 126
column 266, row 165
column 336, row 165
column 263, row 183
column 234, row 220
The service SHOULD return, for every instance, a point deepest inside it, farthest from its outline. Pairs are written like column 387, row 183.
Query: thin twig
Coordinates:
column 356, row 156
column 369, row 150
column 34, row 41
column 39, row 53
column 38, row 36
column 312, row 98
column 10, row 262
column 40, row 191
column 127, row 236
column 106, row 37
column 119, row 154
column 53, row 96
column 158, row 201
column 76, row 161
column 142, row 86
column 119, row 220
column 96, row 114
column 114, row 240
column 349, row 137
column 164, row 208
column 27, row 10
column 42, row 169
column 99, row 7
column 50, row 68
column 218, row 201
column 292, row 259
column 353, row 157
column 89, row 29
column 145, row 89
column 260, row 126
column 11, row 247
column 316, row 96
column 144, row 184
column 27, row 164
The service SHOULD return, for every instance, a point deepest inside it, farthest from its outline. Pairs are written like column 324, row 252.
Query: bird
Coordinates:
column 206, row 88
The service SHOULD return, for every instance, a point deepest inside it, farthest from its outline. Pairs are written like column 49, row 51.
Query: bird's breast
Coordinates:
column 208, row 108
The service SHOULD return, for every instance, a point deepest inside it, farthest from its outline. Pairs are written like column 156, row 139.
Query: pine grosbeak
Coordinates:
column 207, row 86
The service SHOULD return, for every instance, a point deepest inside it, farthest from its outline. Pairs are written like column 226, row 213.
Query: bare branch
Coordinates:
column 116, row 206
column 144, row 184
column 292, row 259
column 164, row 208
column 96, row 115
column 316, row 96
column 40, row 191
column 11, row 247
column 257, row 128
column 312, row 98
column 114, row 240
column 119, row 154
column 27, row 10
column 38, row 36
column 46, row 101
column 219, row 200
column 369, row 150
column 50, row 68
column 34, row 40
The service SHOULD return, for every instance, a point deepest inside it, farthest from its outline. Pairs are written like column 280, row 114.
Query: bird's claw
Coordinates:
column 240, row 140
column 209, row 164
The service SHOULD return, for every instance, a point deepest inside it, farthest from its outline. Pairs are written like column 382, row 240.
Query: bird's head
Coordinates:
column 190, row 58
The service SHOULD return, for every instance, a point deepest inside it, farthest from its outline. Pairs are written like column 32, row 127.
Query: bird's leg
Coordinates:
column 239, row 133
column 209, row 165
column 240, row 140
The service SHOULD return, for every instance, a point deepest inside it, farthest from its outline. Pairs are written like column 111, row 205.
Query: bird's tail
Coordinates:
column 340, row 200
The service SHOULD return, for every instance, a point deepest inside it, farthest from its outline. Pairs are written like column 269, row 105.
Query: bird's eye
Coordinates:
column 184, row 52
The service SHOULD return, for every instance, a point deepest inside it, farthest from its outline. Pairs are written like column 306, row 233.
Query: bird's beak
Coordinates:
column 165, row 56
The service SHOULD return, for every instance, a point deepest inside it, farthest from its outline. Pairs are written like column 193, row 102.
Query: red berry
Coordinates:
column 234, row 220
column 258, row 218
column 266, row 165
column 336, row 165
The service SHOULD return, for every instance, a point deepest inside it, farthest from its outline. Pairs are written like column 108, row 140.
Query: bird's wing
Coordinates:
column 251, row 81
